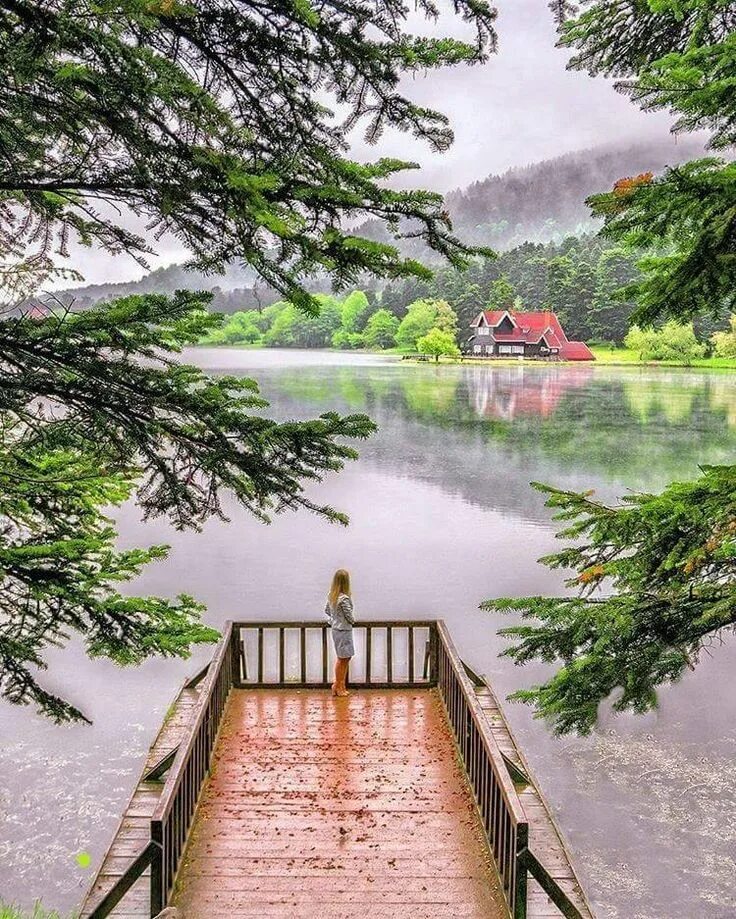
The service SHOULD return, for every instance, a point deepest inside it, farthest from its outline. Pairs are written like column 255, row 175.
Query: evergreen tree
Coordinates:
column 680, row 57
column 95, row 409
column 655, row 574
column 668, row 564
column 502, row 294
column 609, row 312
column 209, row 120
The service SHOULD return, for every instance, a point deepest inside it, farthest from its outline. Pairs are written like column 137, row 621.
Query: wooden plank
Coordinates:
column 545, row 838
column 280, row 833
column 133, row 831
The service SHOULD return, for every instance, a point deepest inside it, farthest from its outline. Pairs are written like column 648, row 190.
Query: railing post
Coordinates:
column 433, row 654
column 520, row 872
column 157, row 869
column 235, row 658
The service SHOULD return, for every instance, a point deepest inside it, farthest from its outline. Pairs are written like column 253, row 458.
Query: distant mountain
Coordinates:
column 546, row 200
column 164, row 281
column 542, row 202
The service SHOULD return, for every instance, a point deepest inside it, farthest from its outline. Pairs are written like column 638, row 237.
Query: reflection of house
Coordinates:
column 505, row 333
column 511, row 392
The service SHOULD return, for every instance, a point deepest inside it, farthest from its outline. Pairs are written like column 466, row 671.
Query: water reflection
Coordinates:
column 441, row 516
column 512, row 392
column 607, row 428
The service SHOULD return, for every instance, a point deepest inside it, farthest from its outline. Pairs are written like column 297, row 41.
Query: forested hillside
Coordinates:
column 546, row 200
column 543, row 202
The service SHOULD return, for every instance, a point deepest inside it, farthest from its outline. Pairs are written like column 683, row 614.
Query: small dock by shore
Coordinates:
column 264, row 795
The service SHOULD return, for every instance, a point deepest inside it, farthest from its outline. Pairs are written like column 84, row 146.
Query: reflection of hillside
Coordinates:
column 486, row 433
column 508, row 392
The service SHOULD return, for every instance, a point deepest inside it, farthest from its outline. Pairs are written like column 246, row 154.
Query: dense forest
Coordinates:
column 540, row 203
column 579, row 278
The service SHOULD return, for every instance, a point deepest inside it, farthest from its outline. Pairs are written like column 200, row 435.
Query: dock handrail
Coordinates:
column 502, row 815
column 175, row 809
column 399, row 655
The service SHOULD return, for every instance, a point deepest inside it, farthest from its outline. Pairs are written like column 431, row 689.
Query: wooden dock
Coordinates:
column 264, row 795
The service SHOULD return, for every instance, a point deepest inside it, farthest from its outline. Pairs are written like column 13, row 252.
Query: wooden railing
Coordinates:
column 501, row 813
column 389, row 653
column 173, row 815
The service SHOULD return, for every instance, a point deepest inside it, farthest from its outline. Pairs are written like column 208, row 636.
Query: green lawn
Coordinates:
column 14, row 912
column 621, row 356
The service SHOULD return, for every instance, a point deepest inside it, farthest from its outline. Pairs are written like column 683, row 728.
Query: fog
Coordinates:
column 520, row 107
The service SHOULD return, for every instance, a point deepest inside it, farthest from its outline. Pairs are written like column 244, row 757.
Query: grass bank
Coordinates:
column 609, row 357
column 7, row 911
column 624, row 357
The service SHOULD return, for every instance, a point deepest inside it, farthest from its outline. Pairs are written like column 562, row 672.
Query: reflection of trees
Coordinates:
column 647, row 403
column 487, row 432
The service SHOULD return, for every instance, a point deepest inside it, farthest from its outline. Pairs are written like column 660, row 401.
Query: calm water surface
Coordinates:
column 442, row 517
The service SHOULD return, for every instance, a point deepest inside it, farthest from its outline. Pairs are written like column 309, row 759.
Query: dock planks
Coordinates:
column 545, row 839
column 318, row 806
column 134, row 829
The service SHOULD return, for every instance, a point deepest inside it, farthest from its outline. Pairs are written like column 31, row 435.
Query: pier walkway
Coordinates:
column 266, row 796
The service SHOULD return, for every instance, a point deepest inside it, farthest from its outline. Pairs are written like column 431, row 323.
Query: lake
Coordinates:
column 442, row 517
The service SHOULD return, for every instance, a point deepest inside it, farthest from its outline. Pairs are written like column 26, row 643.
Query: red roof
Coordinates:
column 530, row 328
column 576, row 351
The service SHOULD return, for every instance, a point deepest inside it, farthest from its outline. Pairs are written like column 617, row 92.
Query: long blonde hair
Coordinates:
column 340, row 585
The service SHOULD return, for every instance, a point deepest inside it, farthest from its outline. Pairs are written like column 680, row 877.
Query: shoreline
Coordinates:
column 604, row 358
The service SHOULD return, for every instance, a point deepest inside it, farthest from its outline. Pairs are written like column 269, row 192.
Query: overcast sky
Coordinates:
column 520, row 107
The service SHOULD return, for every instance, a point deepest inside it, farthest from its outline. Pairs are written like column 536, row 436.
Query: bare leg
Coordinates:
column 341, row 675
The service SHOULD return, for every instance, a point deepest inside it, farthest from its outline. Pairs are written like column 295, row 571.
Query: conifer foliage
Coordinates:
column 655, row 575
column 95, row 409
column 209, row 118
column 679, row 56
column 655, row 582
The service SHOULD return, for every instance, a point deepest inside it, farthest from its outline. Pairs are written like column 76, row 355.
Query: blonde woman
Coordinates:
column 339, row 610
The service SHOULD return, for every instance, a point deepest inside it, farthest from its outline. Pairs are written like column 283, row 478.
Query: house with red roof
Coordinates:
column 508, row 333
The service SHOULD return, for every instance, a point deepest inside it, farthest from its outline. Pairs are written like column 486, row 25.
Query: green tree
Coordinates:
column 421, row 316
column 674, row 341
column 353, row 315
column 609, row 312
column 96, row 409
column 282, row 331
column 445, row 317
column 656, row 574
column 317, row 331
column 502, row 294
column 241, row 327
column 680, row 57
column 667, row 562
column 380, row 331
column 570, row 292
column 724, row 343
column 438, row 343
column 176, row 112
column 354, row 311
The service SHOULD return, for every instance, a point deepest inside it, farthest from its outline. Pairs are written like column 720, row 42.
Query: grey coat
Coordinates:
column 341, row 614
